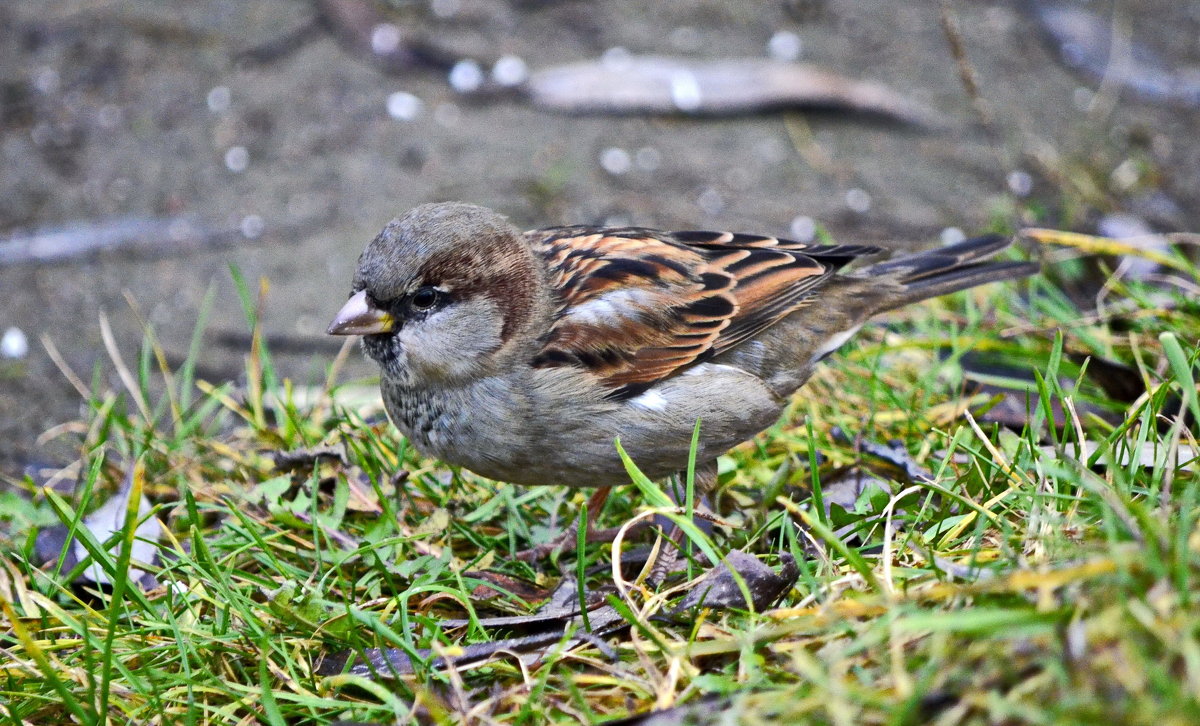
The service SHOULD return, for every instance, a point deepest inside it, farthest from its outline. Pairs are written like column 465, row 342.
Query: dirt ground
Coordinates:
column 140, row 110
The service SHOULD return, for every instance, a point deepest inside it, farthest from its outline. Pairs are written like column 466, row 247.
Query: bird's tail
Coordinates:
column 944, row 270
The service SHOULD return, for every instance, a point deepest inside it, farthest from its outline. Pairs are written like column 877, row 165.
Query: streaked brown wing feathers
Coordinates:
column 637, row 306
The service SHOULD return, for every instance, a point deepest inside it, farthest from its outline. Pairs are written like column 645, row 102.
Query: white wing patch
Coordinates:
column 611, row 309
column 651, row 400
column 708, row 369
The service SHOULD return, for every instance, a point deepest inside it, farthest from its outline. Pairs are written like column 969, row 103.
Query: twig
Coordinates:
column 966, row 71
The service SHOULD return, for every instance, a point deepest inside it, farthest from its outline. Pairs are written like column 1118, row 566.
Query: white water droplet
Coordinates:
column 252, row 226
column 237, row 159
column 219, row 99
column 615, row 160
column 1020, row 183
column 404, row 106
column 466, row 76
column 952, row 235
column 385, row 38
column 14, row 344
column 803, row 229
column 785, row 46
column 858, row 200
column 46, row 80
column 509, row 71
column 685, row 91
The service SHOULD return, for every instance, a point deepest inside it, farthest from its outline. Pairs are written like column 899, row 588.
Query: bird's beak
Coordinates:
column 359, row 317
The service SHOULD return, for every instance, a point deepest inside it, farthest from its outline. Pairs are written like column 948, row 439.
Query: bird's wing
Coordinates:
column 637, row 305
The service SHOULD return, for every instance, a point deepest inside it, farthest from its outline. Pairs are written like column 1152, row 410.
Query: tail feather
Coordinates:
column 944, row 270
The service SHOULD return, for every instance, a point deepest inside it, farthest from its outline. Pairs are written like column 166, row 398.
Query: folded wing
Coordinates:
column 637, row 306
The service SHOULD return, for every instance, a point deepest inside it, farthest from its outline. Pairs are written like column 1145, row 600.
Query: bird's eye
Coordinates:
column 425, row 298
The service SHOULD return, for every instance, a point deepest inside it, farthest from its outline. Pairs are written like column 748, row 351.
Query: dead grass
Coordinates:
column 1042, row 573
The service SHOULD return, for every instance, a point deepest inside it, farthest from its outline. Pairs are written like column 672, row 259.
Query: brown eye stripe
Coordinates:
column 488, row 270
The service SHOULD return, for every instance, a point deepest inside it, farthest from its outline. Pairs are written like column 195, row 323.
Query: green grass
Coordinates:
column 1043, row 575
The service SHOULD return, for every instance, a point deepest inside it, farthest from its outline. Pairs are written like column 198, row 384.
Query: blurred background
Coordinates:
column 149, row 146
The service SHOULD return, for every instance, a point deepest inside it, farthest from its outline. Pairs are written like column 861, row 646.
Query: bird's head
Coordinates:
column 442, row 294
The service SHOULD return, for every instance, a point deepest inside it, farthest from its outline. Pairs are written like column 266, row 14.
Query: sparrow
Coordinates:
column 523, row 356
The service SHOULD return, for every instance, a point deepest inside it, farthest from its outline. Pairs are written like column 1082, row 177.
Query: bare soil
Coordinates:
column 107, row 112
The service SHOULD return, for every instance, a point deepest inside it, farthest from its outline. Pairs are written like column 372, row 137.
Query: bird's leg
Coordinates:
column 704, row 481
column 594, row 504
column 567, row 540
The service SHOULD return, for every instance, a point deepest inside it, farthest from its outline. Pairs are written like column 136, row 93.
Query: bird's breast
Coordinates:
column 426, row 417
